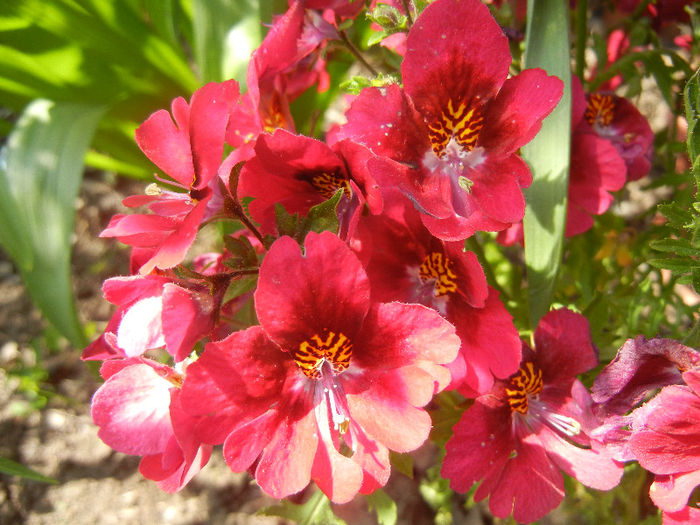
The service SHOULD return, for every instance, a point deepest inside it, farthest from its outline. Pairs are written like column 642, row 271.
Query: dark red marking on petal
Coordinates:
column 461, row 123
column 600, row 109
column 527, row 382
column 328, row 183
column 331, row 347
column 439, row 267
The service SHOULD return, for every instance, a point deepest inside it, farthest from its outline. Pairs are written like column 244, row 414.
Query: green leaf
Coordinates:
column 7, row 466
column 316, row 511
column 384, row 506
column 547, row 46
column 226, row 32
column 676, row 215
column 677, row 246
column 675, row 264
column 40, row 173
column 324, row 216
column 691, row 97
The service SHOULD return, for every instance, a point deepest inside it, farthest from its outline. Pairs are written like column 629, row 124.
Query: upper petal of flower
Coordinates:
column 455, row 51
column 302, row 295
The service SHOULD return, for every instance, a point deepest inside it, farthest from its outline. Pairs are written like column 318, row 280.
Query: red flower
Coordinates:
column 406, row 263
column 299, row 172
column 328, row 383
column 665, row 440
column 516, row 439
column 190, row 151
column 138, row 411
column 450, row 137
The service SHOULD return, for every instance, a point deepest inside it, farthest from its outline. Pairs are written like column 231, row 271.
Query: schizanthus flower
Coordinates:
column 517, row 438
column 328, row 383
column 449, row 139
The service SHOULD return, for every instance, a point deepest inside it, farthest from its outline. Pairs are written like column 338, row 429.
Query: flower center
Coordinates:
column 336, row 349
column 328, row 183
column 438, row 267
column 600, row 109
column 462, row 123
column 527, row 382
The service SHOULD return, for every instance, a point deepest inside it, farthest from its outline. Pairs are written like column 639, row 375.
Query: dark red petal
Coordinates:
column 455, row 50
column 515, row 116
column 564, row 346
column 384, row 120
column 167, row 145
column 299, row 296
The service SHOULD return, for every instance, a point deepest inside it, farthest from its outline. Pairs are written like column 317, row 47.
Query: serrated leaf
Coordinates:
column 286, row 224
column 40, row 175
column 547, row 46
column 675, row 264
column 240, row 286
column 677, row 246
column 676, row 215
column 242, row 249
column 385, row 507
column 691, row 96
column 7, row 466
column 323, row 217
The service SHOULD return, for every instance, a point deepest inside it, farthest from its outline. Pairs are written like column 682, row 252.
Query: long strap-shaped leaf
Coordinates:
column 41, row 167
column 547, row 46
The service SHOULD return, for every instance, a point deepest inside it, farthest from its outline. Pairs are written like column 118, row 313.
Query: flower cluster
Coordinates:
column 313, row 343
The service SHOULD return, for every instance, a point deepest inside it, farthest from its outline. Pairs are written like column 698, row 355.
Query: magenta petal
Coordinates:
column 667, row 440
column 210, row 108
column 384, row 414
column 243, row 446
column 671, row 493
column 167, row 145
column 187, row 317
column 234, row 380
column 285, row 465
column 529, row 487
column 564, row 345
column 454, row 50
column 515, row 115
column 641, row 365
column 132, row 410
column 338, row 476
column 480, row 444
column 384, row 120
column 302, row 295
column 395, row 334
column 593, row 467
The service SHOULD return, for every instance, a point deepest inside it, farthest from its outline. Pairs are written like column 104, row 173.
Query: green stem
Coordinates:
column 356, row 52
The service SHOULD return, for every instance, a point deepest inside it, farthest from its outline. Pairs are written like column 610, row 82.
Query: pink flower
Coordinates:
column 190, row 151
column 330, row 381
column 616, row 120
column 299, row 172
column 450, row 138
column 517, row 438
column 154, row 312
column 406, row 263
column 138, row 412
column 665, row 440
